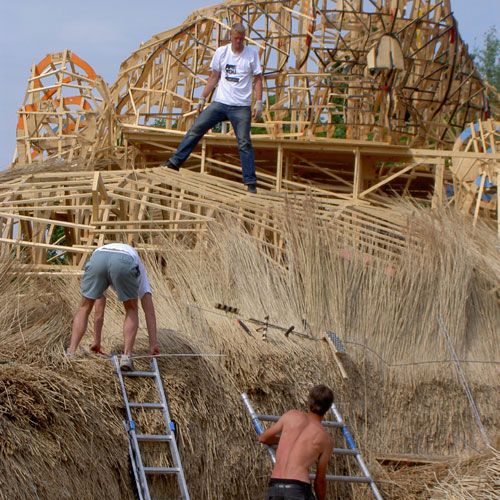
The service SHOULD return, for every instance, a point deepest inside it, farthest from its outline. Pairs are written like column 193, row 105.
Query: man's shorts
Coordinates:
column 111, row 268
column 289, row 489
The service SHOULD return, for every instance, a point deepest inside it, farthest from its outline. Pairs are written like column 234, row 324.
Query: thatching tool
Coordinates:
column 338, row 350
column 226, row 308
column 140, row 470
column 264, row 328
column 286, row 330
column 245, row 327
column 234, row 311
column 339, row 423
column 263, row 325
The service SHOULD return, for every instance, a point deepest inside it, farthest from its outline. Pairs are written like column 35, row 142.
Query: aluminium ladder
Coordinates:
column 134, row 438
column 339, row 422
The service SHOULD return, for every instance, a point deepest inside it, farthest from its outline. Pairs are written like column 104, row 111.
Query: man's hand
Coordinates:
column 96, row 349
column 201, row 104
column 154, row 350
column 257, row 111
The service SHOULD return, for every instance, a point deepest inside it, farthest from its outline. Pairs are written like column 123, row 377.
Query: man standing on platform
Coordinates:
column 235, row 68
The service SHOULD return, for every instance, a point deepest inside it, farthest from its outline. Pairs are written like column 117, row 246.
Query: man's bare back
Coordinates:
column 303, row 440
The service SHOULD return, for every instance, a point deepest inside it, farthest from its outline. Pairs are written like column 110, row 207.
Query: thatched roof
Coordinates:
column 61, row 422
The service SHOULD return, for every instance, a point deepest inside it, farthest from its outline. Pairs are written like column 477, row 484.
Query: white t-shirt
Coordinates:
column 144, row 286
column 237, row 72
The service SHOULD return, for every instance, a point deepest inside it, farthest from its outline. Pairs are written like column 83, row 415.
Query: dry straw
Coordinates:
column 474, row 477
column 62, row 434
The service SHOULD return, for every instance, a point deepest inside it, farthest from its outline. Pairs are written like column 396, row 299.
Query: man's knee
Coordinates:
column 197, row 129
column 87, row 304
column 244, row 144
column 131, row 305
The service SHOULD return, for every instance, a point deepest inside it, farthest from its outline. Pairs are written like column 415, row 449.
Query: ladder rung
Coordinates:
column 153, row 437
column 331, row 423
column 345, row 451
column 349, row 479
column 274, row 418
column 162, row 470
column 146, row 405
column 138, row 374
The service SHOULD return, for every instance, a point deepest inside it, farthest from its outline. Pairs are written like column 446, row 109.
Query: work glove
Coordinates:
column 257, row 110
column 201, row 104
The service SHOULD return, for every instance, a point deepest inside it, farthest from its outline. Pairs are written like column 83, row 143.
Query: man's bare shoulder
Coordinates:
column 327, row 439
column 293, row 414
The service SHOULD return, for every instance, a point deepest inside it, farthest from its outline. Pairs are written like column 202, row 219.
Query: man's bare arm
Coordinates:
column 258, row 87
column 320, row 480
column 150, row 315
column 257, row 112
column 212, row 81
column 271, row 436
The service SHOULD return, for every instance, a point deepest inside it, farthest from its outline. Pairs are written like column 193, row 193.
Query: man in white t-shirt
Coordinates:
column 117, row 265
column 235, row 69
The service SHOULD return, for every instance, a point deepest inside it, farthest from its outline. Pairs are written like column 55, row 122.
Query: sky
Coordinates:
column 104, row 33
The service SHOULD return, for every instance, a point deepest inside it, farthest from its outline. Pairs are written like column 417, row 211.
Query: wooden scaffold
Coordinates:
column 364, row 100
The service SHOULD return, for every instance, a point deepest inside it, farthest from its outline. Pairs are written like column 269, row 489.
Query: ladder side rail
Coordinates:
column 134, row 469
column 161, row 393
column 274, row 418
column 257, row 424
column 352, row 445
column 122, row 388
column 135, row 456
column 173, row 442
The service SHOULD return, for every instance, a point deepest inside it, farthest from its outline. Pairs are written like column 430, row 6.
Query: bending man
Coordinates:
column 234, row 67
column 117, row 265
column 302, row 442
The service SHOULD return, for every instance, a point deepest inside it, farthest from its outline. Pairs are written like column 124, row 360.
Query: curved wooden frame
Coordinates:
column 317, row 80
column 66, row 113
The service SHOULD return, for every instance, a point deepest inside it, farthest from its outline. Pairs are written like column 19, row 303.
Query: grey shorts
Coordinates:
column 111, row 268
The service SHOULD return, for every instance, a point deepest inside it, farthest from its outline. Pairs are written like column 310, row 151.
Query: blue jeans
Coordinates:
column 240, row 118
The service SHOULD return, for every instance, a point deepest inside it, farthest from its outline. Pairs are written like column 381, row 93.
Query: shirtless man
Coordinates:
column 302, row 442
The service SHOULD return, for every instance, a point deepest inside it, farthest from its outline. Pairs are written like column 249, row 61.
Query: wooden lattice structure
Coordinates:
column 352, row 88
column 66, row 113
column 384, row 70
column 53, row 218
